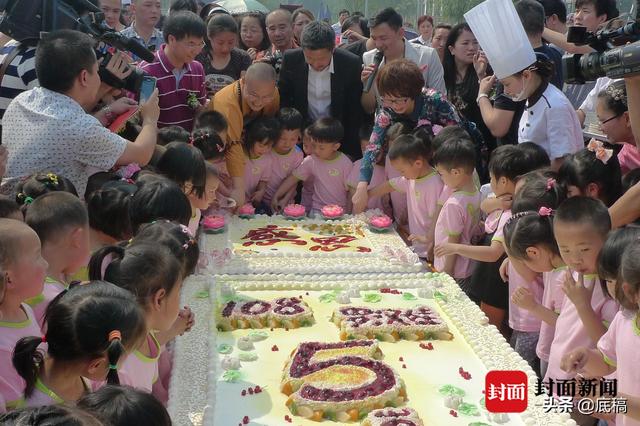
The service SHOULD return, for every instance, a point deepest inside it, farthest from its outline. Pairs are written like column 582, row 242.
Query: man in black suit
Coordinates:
column 321, row 81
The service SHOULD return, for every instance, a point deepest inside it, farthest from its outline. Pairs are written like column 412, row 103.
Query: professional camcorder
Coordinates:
column 617, row 52
column 26, row 20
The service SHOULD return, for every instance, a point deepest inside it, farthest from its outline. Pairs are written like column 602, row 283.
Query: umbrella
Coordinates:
column 241, row 6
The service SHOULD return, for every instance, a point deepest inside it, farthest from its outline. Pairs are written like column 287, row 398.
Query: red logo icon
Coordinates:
column 506, row 391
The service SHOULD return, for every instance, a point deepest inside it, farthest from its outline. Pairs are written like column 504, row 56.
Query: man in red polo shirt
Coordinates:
column 180, row 77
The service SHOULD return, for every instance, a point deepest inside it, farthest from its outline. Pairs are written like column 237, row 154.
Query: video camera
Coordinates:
column 26, row 20
column 614, row 56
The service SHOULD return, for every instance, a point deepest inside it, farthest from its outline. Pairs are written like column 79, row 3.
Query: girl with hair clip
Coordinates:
column 529, row 241
column 213, row 148
column 184, row 164
column 616, row 350
column 42, row 183
column 22, row 273
column 613, row 114
column 154, row 275
column 593, row 172
column 260, row 137
column 399, row 205
column 90, row 329
column 178, row 239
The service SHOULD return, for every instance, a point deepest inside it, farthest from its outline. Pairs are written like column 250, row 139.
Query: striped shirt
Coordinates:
column 175, row 87
column 20, row 75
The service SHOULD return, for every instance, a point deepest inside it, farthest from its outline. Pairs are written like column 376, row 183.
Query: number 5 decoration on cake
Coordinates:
column 390, row 325
column 285, row 312
column 340, row 381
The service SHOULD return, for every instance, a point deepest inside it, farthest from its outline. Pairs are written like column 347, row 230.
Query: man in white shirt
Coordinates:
column 322, row 81
column 342, row 16
column 48, row 128
column 388, row 36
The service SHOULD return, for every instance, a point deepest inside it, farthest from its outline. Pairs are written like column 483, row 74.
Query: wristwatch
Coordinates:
column 480, row 96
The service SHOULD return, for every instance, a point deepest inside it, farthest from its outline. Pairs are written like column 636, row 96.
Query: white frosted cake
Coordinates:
column 280, row 376
column 268, row 245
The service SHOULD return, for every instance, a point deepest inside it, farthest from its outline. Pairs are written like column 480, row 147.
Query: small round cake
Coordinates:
column 213, row 224
column 380, row 223
column 247, row 211
column 294, row 211
column 332, row 211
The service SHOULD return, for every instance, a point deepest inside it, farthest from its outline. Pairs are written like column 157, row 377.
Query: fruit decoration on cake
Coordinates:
column 380, row 223
column 213, row 224
column 294, row 211
column 340, row 381
column 332, row 211
column 390, row 325
column 393, row 417
column 285, row 312
column 319, row 238
column 247, row 211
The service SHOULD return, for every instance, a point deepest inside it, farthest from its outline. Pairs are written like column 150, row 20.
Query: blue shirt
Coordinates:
column 154, row 42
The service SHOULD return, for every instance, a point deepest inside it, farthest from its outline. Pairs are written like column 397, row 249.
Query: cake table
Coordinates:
column 337, row 346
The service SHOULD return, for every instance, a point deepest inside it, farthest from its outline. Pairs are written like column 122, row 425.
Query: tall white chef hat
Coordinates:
column 497, row 26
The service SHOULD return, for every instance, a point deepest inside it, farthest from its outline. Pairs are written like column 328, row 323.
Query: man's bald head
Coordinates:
column 260, row 71
column 278, row 14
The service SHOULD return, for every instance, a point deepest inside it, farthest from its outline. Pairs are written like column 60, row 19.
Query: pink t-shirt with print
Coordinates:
column 329, row 179
column 256, row 170
column 460, row 215
column 422, row 199
column 282, row 165
column 378, row 178
column 619, row 346
column 141, row 371
column 552, row 298
column 570, row 333
column 521, row 319
column 398, row 200
column 12, row 385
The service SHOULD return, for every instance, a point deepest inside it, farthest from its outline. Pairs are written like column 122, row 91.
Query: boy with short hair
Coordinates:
column 459, row 217
column 180, row 78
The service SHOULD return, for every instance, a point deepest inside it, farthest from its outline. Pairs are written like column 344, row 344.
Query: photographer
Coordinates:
column 48, row 127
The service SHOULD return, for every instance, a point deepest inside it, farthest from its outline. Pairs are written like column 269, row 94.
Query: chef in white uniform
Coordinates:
column 549, row 119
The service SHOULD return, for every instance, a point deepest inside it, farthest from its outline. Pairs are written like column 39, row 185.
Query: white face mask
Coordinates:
column 520, row 96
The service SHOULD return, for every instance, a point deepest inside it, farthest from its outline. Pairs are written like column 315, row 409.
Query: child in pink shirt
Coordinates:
column 617, row 348
column 286, row 156
column 261, row 135
column 328, row 167
column 61, row 221
column 106, row 323
column 421, row 184
column 21, row 262
column 459, row 217
column 158, row 294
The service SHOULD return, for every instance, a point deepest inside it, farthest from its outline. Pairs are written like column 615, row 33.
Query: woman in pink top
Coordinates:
column 154, row 275
column 613, row 114
column 617, row 348
column 22, row 273
column 90, row 328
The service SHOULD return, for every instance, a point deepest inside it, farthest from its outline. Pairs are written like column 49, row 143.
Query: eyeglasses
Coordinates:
column 395, row 101
column 608, row 119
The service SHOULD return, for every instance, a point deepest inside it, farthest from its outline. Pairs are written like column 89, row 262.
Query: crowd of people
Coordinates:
column 482, row 166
